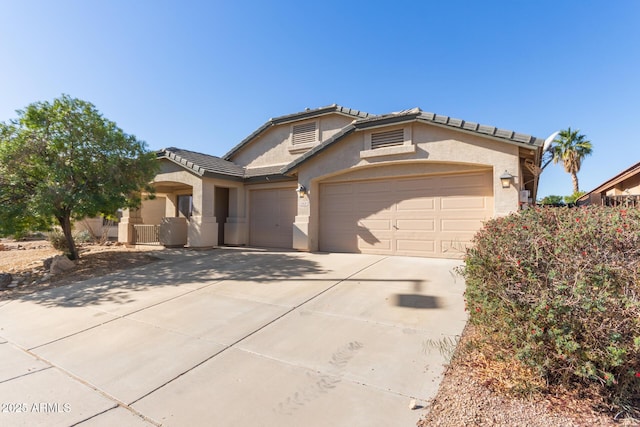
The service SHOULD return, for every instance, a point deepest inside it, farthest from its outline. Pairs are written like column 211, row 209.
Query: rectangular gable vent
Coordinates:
column 304, row 133
column 387, row 139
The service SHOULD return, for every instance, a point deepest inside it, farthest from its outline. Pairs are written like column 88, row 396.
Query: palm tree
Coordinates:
column 571, row 148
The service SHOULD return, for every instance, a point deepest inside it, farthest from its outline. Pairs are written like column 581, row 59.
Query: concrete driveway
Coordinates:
column 233, row 337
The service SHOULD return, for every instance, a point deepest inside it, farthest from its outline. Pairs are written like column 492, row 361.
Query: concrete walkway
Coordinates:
column 233, row 337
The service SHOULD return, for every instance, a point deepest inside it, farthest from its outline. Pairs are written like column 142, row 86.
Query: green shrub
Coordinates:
column 559, row 289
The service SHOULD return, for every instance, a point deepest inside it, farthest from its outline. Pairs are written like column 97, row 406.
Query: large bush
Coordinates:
column 559, row 289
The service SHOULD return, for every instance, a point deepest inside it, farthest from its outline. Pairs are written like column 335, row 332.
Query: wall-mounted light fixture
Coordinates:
column 301, row 190
column 506, row 179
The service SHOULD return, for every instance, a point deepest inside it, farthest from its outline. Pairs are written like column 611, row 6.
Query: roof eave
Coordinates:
column 174, row 158
column 228, row 177
column 194, row 168
column 536, row 143
column 627, row 173
column 267, row 178
column 385, row 121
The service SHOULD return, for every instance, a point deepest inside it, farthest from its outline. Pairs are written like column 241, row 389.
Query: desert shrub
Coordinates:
column 83, row 236
column 559, row 290
column 58, row 241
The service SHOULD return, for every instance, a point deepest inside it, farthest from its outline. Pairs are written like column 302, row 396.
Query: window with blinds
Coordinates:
column 389, row 138
column 304, row 133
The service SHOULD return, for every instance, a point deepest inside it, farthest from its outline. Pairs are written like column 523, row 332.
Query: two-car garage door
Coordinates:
column 434, row 216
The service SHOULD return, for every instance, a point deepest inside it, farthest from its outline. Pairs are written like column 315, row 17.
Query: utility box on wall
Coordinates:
column 173, row 232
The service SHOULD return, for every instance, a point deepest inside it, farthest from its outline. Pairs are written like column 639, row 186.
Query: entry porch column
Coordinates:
column 126, row 232
column 203, row 227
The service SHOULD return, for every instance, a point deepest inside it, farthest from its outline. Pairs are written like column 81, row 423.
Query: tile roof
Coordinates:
column 201, row 164
column 308, row 113
column 416, row 114
column 204, row 164
column 263, row 171
column 207, row 165
column 508, row 135
column 419, row 115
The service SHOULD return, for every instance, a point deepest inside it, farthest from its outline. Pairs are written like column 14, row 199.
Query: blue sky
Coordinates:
column 202, row 75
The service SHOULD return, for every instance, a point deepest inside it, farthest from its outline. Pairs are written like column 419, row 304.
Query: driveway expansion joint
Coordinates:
column 295, row 307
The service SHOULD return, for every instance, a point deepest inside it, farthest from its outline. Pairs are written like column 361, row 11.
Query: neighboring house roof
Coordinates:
column 415, row 114
column 308, row 113
column 207, row 165
column 622, row 176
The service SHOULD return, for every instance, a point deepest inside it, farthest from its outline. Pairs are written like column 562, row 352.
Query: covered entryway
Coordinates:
column 431, row 216
column 272, row 212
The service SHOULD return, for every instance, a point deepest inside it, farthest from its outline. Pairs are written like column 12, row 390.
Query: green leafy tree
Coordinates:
column 63, row 161
column 570, row 147
column 551, row 200
column 575, row 196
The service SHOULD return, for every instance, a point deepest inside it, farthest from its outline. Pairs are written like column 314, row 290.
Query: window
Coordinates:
column 185, row 206
column 387, row 142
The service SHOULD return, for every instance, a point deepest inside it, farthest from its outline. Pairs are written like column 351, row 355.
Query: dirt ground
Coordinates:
column 466, row 398
column 24, row 261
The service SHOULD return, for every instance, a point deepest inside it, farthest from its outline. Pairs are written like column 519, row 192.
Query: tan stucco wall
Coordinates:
column 203, row 225
column 435, row 146
column 154, row 210
column 438, row 150
column 272, row 147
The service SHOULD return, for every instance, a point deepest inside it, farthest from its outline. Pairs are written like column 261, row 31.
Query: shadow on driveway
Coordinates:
column 177, row 268
column 195, row 269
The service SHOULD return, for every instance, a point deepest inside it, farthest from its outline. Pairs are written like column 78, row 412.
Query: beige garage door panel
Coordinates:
column 430, row 216
column 272, row 213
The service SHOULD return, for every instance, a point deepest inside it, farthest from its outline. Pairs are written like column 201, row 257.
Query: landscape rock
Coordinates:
column 5, row 280
column 60, row 264
column 2, row 247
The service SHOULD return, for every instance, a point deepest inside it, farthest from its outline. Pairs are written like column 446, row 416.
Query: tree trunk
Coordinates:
column 574, row 178
column 65, row 223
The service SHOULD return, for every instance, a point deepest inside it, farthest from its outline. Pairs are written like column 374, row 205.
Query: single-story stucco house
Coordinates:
column 336, row 179
column 621, row 190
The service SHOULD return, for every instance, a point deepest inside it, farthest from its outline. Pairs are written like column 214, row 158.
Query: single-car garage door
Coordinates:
column 272, row 213
column 433, row 216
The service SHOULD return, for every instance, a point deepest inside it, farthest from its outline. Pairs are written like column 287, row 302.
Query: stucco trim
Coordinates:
column 401, row 169
column 388, row 151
